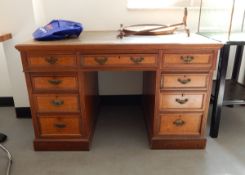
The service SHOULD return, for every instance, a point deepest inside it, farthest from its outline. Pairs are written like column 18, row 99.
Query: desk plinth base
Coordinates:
column 178, row 143
column 83, row 145
column 61, row 145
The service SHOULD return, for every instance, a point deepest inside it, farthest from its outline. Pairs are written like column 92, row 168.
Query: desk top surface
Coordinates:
column 109, row 38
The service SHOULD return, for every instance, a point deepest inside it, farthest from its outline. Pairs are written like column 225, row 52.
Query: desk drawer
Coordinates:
column 54, row 82
column 187, row 60
column 182, row 101
column 184, row 81
column 59, row 126
column 180, row 124
column 119, row 60
column 57, row 103
column 54, row 61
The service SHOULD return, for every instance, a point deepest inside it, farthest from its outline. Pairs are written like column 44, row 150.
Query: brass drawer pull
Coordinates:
column 187, row 59
column 161, row 83
column 181, row 101
column 137, row 60
column 184, row 81
column 57, row 102
column 60, row 125
column 55, row 82
column 179, row 122
column 101, row 60
column 51, row 60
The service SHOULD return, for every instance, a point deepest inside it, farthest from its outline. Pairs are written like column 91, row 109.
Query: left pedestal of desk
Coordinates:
column 61, row 103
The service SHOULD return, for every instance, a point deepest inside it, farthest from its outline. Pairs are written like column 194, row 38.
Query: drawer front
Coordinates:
column 180, row 124
column 182, row 101
column 184, row 81
column 187, row 60
column 59, row 126
column 118, row 60
column 52, row 60
column 57, row 103
column 54, row 82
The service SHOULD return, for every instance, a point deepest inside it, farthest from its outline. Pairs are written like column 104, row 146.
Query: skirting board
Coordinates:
column 23, row 112
column 6, row 101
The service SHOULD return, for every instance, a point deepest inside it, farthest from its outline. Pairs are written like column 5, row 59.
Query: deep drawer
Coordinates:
column 184, row 81
column 54, row 82
column 59, row 126
column 180, row 124
column 57, row 102
column 187, row 60
column 182, row 101
column 119, row 60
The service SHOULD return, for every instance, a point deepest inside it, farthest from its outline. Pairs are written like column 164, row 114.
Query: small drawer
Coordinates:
column 187, row 61
column 184, row 81
column 35, row 60
column 182, row 101
column 62, row 126
column 118, row 60
column 54, row 82
column 180, row 124
column 57, row 102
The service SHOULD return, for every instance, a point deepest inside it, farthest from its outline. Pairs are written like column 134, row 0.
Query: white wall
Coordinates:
column 120, row 83
column 5, row 87
column 17, row 17
column 108, row 14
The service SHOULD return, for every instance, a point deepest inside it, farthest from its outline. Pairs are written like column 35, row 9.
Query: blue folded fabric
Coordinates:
column 57, row 30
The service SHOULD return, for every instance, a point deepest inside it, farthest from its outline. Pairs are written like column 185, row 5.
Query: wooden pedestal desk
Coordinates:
column 62, row 81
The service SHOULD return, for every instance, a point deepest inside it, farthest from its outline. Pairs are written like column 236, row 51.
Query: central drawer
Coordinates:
column 119, row 60
column 182, row 101
column 57, row 103
column 61, row 126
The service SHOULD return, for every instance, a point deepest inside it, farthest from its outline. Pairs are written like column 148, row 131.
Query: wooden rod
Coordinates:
column 199, row 19
column 232, row 13
column 5, row 37
column 243, row 18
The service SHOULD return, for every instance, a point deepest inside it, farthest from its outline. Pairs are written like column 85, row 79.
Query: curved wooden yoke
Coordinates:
column 154, row 29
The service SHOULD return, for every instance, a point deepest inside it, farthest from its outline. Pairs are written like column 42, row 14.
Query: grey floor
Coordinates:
column 120, row 147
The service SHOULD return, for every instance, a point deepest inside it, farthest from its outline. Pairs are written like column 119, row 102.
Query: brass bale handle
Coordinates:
column 60, row 125
column 179, row 122
column 136, row 60
column 51, row 60
column 184, row 81
column 161, row 83
column 55, row 81
column 57, row 102
column 181, row 101
column 101, row 60
column 187, row 59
